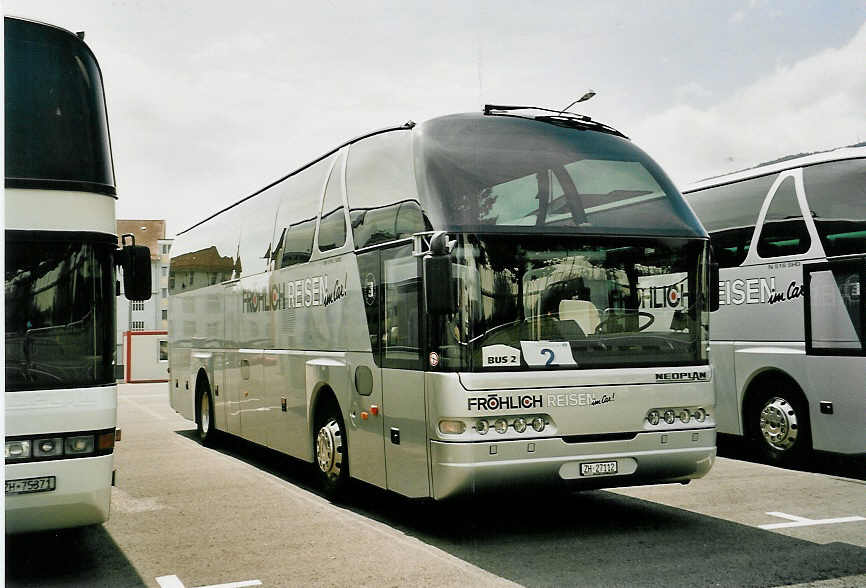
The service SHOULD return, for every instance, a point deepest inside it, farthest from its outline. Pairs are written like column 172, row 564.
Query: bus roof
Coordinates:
column 855, row 152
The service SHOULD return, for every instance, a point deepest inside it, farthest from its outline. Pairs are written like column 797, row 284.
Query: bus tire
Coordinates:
column 204, row 417
column 780, row 423
column 331, row 453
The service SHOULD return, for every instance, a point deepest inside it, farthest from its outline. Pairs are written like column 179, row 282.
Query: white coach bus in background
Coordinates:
column 480, row 301
column 788, row 345
column 61, row 252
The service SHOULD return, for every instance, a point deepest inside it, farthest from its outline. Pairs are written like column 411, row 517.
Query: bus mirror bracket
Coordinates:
column 714, row 282
column 135, row 262
column 439, row 292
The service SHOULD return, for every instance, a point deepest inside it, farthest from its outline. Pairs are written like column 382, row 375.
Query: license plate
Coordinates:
column 599, row 468
column 43, row 484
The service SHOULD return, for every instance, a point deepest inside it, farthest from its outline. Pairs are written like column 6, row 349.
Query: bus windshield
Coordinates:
column 492, row 174
column 56, row 125
column 59, row 313
column 545, row 302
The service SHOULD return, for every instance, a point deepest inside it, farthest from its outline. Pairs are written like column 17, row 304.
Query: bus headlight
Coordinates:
column 452, row 427
column 501, row 426
column 48, row 447
column 79, row 445
column 482, row 427
column 538, row 424
column 17, row 449
column 700, row 415
column 519, row 424
column 669, row 416
column 653, row 417
column 685, row 416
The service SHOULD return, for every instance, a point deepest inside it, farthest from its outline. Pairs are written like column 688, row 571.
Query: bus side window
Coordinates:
column 784, row 230
column 729, row 213
column 836, row 192
column 401, row 332
column 332, row 226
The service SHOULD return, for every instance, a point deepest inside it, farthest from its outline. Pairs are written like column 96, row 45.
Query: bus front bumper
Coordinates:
column 81, row 496
column 648, row 458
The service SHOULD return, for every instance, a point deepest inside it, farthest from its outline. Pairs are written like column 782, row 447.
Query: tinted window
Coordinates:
column 300, row 196
column 492, row 173
column 784, row 230
column 256, row 217
column 56, row 127
column 401, row 336
column 205, row 255
column 380, row 179
column 729, row 214
column 836, row 192
column 59, row 312
column 332, row 226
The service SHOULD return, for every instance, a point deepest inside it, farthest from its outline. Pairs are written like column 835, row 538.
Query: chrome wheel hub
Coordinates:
column 779, row 424
column 329, row 449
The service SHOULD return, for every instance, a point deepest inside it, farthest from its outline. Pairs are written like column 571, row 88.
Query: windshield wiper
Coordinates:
column 563, row 118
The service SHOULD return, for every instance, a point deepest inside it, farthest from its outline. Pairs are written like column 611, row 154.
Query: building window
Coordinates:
column 165, row 249
column 138, row 306
column 164, row 270
column 164, row 315
column 163, row 349
column 137, row 325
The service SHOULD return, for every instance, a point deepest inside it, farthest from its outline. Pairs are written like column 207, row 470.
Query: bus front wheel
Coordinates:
column 205, row 416
column 332, row 463
column 780, row 425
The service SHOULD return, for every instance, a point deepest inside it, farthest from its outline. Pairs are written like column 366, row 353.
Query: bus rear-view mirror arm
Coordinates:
column 135, row 261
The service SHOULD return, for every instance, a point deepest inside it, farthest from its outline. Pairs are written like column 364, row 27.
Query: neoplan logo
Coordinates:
column 682, row 377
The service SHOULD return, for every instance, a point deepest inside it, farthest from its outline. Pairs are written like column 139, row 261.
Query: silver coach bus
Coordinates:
column 480, row 301
column 788, row 342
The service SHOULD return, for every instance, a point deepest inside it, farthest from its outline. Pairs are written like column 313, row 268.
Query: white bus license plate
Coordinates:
column 43, row 484
column 599, row 468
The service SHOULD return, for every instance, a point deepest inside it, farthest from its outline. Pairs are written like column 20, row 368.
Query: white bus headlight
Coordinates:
column 79, row 445
column 17, row 449
column 538, row 424
column 501, row 425
column 519, row 424
column 452, row 427
column 700, row 415
column 48, row 447
column 482, row 427
column 670, row 417
column 685, row 416
column 653, row 417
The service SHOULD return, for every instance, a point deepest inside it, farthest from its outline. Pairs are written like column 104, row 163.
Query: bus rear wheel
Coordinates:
column 332, row 459
column 780, row 425
column 205, row 417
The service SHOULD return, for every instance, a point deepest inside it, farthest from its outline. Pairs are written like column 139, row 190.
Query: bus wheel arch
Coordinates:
column 330, row 443
column 776, row 417
column 204, row 409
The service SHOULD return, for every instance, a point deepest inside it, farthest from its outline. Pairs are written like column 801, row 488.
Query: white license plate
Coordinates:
column 43, row 484
column 599, row 468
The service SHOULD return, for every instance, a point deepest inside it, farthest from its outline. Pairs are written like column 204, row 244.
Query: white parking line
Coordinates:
column 804, row 522
column 174, row 582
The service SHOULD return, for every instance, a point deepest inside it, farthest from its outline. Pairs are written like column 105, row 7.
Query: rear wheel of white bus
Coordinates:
column 205, row 415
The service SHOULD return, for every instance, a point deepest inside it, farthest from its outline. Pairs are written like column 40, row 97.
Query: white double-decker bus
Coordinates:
column 480, row 301
column 61, row 252
column 788, row 343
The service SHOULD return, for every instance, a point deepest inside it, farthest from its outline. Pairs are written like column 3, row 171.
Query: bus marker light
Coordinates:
column 105, row 441
column 452, row 427
column 501, row 426
column 374, row 409
column 364, row 415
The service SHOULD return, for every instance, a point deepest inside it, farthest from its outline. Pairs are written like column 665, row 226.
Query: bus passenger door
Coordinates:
column 402, row 375
column 231, row 379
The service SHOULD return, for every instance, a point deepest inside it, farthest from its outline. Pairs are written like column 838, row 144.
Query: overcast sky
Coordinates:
column 208, row 101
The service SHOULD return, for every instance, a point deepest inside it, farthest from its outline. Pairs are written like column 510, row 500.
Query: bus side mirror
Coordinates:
column 714, row 282
column 439, row 295
column 135, row 261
